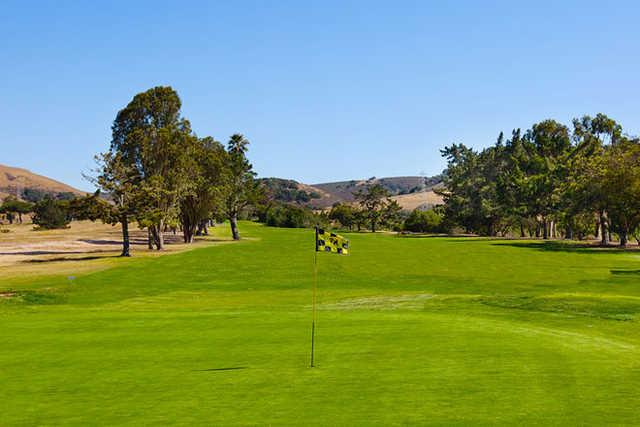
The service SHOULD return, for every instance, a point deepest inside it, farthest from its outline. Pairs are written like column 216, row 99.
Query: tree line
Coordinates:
column 550, row 181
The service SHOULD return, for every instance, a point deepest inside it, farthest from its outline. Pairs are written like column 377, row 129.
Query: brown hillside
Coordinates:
column 13, row 180
column 409, row 191
column 424, row 199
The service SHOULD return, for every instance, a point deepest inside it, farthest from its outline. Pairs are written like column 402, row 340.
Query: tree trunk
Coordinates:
column 491, row 231
column 202, row 228
column 150, row 238
column 522, row 230
column 545, row 229
column 156, row 237
column 125, row 236
column 188, row 229
column 373, row 226
column 624, row 239
column 568, row 233
column 160, row 236
column 603, row 229
column 187, row 234
column 234, row 227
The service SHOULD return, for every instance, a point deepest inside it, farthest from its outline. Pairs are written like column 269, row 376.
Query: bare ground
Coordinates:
column 84, row 246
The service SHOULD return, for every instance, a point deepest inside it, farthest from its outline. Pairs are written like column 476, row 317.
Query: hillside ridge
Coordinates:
column 13, row 180
column 410, row 192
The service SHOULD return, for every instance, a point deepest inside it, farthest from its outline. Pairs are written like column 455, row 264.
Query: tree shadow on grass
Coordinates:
column 112, row 242
column 558, row 246
column 58, row 259
column 433, row 236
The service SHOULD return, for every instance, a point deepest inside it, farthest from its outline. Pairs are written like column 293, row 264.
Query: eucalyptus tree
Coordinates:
column 549, row 144
column 149, row 137
column 204, row 191
column 593, row 136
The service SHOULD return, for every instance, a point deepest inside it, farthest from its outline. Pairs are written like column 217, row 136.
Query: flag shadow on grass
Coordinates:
column 233, row 368
column 625, row 272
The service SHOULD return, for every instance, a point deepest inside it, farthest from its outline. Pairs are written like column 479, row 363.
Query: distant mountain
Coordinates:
column 17, row 181
column 409, row 191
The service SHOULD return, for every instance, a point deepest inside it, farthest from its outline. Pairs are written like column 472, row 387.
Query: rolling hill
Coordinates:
column 15, row 180
column 409, row 191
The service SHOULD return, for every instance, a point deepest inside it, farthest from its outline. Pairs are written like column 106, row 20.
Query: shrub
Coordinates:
column 290, row 216
column 424, row 222
column 51, row 214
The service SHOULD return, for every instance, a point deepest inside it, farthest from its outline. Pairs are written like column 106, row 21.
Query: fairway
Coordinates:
column 411, row 330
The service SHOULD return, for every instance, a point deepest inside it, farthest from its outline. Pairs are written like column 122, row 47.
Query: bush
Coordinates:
column 289, row 216
column 344, row 214
column 424, row 222
column 51, row 214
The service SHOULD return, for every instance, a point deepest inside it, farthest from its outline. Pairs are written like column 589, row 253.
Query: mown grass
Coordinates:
column 411, row 331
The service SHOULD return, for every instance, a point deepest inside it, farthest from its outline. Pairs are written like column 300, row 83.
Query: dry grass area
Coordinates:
column 84, row 246
column 411, row 201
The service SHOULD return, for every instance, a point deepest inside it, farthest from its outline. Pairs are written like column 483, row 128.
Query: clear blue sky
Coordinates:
column 377, row 87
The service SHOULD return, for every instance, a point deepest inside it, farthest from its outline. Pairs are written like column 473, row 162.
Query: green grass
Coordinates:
column 411, row 331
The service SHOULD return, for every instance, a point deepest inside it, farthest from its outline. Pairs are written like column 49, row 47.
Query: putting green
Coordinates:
column 411, row 331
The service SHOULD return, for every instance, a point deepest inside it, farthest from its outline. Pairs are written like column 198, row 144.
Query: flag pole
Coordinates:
column 314, row 293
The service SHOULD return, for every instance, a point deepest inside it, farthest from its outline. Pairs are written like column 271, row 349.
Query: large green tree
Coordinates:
column 150, row 137
column 548, row 144
column 204, row 191
column 593, row 137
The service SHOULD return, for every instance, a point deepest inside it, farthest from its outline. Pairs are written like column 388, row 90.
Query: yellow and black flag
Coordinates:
column 331, row 242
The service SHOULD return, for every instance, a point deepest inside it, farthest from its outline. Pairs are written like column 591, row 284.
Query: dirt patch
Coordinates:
column 84, row 244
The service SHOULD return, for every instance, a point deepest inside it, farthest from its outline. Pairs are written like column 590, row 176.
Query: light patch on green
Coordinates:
column 391, row 302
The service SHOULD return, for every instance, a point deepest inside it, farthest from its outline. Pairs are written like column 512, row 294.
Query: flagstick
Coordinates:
column 313, row 304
